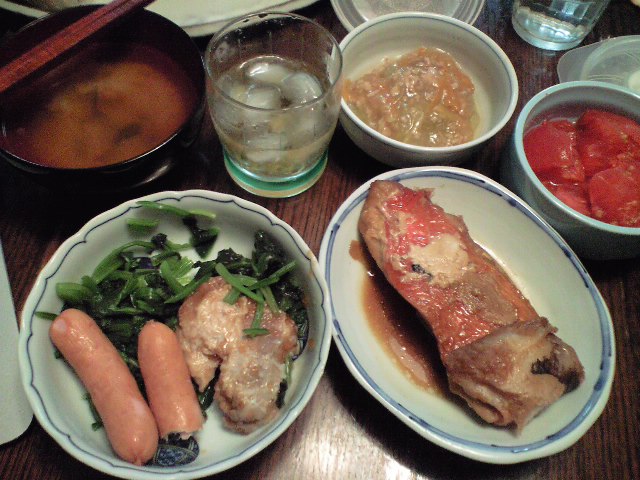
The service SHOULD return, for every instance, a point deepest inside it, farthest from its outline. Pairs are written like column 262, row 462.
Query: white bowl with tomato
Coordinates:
column 575, row 158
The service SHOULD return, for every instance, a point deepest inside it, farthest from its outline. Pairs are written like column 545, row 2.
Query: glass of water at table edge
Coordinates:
column 556, row 24
column 274, row 90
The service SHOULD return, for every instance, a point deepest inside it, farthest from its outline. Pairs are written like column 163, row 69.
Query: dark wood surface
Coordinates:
column 344, row 432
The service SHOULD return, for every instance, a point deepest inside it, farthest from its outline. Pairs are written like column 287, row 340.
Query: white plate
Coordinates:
column 539, row 262
column 197, row 17
column 354, row 12
column 56, row 394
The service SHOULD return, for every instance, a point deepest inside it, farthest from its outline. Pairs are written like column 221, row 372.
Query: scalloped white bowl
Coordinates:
column 541, row 264
column 56, row 394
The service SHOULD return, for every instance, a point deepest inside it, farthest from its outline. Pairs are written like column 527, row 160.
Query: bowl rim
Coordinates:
column 110, row 463
column 496, row 49
column 518, row 135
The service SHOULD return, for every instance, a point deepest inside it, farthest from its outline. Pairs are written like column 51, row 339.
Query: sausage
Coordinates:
column 167, row 381
column 128, row 421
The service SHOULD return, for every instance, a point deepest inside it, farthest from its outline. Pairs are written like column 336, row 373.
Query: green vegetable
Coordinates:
column 177, row 210
column 46, row 315
column 236, row 283
column 255, row 332
column 141, row 225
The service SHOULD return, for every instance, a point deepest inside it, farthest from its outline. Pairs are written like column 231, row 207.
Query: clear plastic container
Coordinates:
column 616, row 60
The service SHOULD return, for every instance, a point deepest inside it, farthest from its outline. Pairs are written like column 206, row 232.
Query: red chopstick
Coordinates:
column 61, row 42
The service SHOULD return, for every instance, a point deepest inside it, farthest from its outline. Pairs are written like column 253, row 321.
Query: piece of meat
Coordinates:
column 167, row 382
column 127, row 419
column 251, row 368
column 500, row 355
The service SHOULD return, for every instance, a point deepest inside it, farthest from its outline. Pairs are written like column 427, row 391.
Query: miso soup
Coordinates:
column 113, row 102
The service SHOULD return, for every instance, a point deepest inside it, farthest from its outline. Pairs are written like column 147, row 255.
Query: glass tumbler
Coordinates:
column 556, row 24
column 274, row 89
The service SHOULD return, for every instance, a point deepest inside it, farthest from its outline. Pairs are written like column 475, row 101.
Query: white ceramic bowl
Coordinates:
column 479, row 56
column 56, row 394
column 589, row 238
column 544, row 268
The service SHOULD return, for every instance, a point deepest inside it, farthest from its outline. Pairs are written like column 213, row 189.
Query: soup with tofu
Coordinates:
column 112, row 103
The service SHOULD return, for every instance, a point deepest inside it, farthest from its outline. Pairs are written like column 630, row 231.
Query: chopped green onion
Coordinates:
column 257, row 317
column 46, row 315
column 255, row 332
column 275, row 276
column 232, row 297
column 142, row 225
column 196, row 212
column 270, row 299
column 236, row 283
column 255, row 329
column 246, row 279
column 163, row 207
column 187, row 290
column 73, row 293
column 177, row 210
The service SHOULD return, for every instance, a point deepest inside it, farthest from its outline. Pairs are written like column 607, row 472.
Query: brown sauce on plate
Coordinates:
column 398, row 328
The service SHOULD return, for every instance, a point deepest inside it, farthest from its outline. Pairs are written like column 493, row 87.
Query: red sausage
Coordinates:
column 127, row 419
column 167, row 380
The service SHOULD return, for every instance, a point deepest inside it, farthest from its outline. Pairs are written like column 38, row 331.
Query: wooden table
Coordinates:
column 344, row 432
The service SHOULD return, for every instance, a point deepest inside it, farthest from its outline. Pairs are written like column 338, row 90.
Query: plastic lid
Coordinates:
column 616, row 61
column 354, row 12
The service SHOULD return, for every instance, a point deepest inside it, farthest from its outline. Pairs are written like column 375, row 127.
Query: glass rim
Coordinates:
column 245, row 19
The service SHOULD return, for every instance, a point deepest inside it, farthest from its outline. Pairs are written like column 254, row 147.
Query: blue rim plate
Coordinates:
column 542, row 265
column 54, row 391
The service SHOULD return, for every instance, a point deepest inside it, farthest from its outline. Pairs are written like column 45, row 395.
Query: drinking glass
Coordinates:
column 274, row 89
column 556, row 24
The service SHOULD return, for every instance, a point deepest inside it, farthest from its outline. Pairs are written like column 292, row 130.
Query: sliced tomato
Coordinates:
column 605, row 140
column 574, row 195
column 615, row 195
column 552, row 152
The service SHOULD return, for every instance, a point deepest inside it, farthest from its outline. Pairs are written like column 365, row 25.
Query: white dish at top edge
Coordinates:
column 352, row 13
column 197, row 17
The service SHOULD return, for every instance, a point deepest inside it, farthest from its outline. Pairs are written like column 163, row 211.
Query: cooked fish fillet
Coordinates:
column 251, row 369
column 500, row 355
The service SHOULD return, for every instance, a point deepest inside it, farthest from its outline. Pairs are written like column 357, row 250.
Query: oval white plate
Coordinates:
column 544, row 268
column 197, row 17
column 56, row 394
